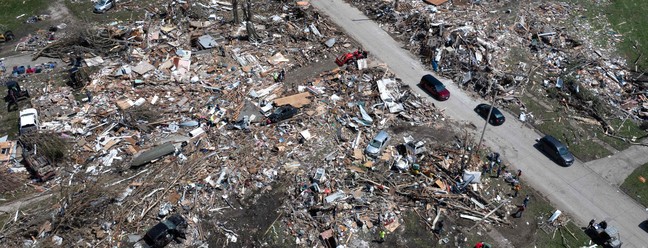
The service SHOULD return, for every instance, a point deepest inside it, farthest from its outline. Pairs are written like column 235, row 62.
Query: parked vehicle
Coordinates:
column 28, row 121
column 603, row 234
column 496, row 117
column 172, row 228
column 434, row 87
column 349, row 58
column 104, row 5
column 6, row 35
column 14, row 94
column 282, row 113
column 377, row 144
column 556, row 150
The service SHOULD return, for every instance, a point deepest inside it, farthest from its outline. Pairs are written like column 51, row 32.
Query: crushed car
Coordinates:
column 282, row 113
column 171, row 228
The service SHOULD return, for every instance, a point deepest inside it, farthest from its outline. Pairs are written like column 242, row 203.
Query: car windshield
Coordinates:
column 375, row 143
column 439, row 87
column 563, row 151
column 103, row 2
column 281, row 110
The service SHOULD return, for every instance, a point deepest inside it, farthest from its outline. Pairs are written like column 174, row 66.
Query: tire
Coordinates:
column 9, row 36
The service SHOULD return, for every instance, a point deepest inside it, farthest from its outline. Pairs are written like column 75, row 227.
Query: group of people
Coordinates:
column 593, row 225
column 513, row 179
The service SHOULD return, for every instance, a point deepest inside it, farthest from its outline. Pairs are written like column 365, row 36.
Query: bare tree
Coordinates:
column 235, row 11
column 249, row 26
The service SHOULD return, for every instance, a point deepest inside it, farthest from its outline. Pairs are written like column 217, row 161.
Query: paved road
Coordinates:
column 576, row 190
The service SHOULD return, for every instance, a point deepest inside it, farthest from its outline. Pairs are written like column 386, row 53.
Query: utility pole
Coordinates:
column 485, row 125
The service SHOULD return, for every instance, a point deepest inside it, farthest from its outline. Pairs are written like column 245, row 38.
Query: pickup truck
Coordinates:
column 28, row 121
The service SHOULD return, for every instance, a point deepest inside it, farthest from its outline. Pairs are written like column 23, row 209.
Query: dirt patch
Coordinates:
column 59, row 12
column 434, row 135
column 413, row 233
column 8, row 183
column 249, row 220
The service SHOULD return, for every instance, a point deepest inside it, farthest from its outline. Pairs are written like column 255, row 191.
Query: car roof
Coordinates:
column 28, row 117
column 28, row 111
column 554, row 141
column 431, row 79
column 382, row 135
column 486, row 105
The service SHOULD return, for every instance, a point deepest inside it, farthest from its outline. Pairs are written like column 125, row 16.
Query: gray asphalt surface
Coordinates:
column 579, row 190
column 25, row 60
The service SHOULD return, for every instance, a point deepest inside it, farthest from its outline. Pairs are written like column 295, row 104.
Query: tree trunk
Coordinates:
column 235, row 11
column 249, row 26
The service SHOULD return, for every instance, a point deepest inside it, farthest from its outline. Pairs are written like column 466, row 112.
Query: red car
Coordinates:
column 433, row 86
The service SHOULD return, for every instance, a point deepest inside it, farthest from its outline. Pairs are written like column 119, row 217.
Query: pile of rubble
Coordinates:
column 474, row 44
column 188, row 123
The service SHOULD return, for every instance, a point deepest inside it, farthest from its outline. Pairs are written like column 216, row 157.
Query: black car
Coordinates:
column 282, row 113
column 556, row 150
column 496, row 117
column 169, row 229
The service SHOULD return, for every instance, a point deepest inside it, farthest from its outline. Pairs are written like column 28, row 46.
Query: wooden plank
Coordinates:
column 435, row 2
column 297, row 100
column 356, row 169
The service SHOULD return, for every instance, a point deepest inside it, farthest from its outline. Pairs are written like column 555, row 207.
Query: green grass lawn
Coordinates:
column 634, row 187
column 634, row 29
column 628, row 22
column 14, row 8
column 627, row 129
column 9, row 121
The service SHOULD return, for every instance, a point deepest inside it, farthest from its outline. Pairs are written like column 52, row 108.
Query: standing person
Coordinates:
column 526, row 201
column 381, row 235
column 519, row 174
column 499, row 170
column 516, row 190
column 603, row 224
column 520, row 209
column 282, row 75
column 494, row 169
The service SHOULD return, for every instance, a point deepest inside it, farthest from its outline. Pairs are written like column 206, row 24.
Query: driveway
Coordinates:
column 616, row 168
column 577, row 190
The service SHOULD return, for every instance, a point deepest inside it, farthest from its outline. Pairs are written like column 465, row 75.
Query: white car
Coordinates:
column 28, row 120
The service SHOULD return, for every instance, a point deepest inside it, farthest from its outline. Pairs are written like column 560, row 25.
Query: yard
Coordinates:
column 635, row 185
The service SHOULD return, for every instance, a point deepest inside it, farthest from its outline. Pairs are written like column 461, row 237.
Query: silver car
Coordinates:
column 104, row 5
column 377, row 144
